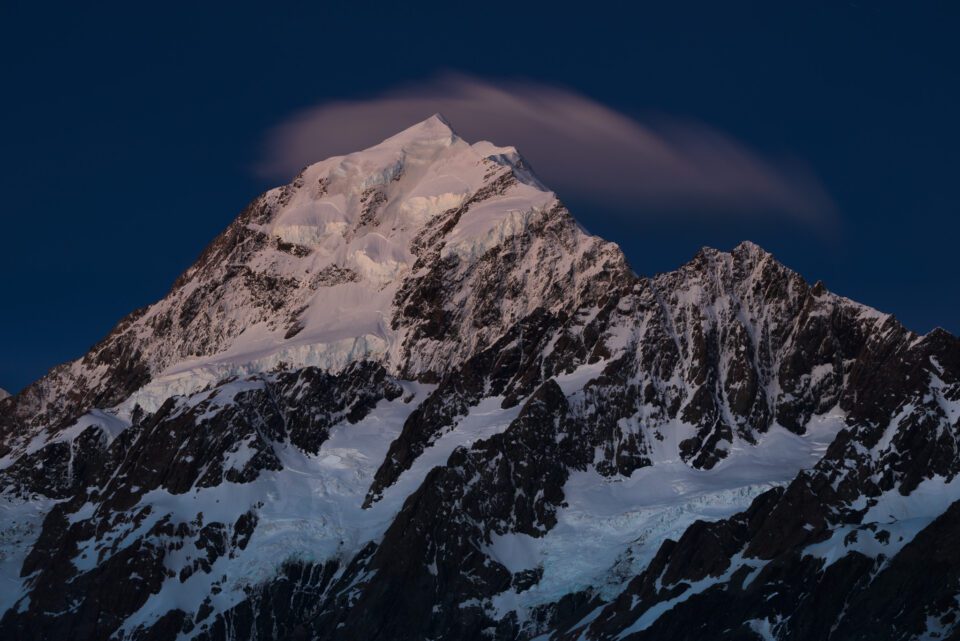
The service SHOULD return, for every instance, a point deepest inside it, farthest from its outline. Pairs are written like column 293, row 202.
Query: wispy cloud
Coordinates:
column 577, row 145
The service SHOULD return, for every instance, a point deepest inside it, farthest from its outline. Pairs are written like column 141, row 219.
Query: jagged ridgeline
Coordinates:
column 408, row 397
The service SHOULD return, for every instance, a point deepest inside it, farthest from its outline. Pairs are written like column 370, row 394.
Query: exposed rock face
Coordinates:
column 408, row 397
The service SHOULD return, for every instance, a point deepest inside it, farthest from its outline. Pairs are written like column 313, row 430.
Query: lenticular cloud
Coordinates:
column 577, row 145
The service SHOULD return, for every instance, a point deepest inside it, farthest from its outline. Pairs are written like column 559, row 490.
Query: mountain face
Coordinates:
column 407, row 396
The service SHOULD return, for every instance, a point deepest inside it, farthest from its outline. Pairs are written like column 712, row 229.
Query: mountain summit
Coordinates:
column 310, row 273
column 407, row 396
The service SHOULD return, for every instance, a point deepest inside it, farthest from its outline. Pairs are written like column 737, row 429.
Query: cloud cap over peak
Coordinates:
column 577, row 145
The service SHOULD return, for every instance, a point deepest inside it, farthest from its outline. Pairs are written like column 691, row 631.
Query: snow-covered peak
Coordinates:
column 538, row 400
column 394, row 188
column 310, row 274
column 750, row 247
column 416, row 253
column 4, row 394
column 434, row 129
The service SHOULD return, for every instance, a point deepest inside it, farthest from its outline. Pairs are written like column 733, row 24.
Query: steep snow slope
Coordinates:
column 309, row 274
column 407, row 396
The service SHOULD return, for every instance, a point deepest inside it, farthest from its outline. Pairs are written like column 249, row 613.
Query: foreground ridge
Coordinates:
column 407, row 396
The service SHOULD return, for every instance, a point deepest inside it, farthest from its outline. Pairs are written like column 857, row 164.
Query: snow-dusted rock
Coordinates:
column 407, row 396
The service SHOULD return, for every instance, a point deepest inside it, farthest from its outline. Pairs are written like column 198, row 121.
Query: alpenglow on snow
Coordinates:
column 407, row 396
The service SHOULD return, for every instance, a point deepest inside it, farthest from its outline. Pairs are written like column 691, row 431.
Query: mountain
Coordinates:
column 3, row 394
column 407, row 396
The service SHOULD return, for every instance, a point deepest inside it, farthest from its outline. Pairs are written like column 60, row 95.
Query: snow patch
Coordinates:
column 890, row 523
column 611, row 528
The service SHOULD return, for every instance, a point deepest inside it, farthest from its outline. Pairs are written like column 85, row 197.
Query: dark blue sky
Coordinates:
column 129, row 132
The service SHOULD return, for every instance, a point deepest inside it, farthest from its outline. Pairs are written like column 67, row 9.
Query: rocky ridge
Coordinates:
column 407, row 397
